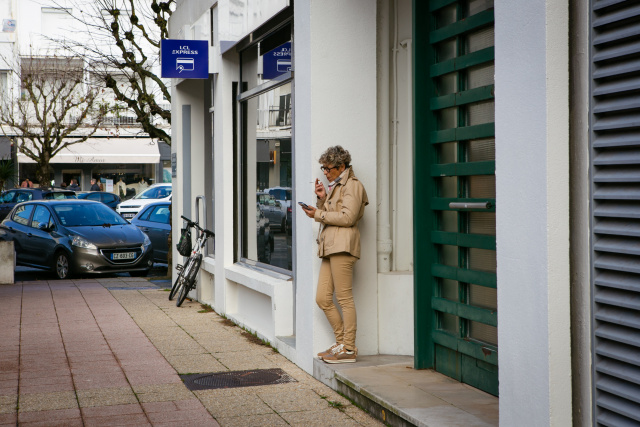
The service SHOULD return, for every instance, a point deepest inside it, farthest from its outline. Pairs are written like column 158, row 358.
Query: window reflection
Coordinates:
column 268, row 175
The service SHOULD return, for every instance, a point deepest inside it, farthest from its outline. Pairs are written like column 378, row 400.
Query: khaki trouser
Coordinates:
column 336, row 275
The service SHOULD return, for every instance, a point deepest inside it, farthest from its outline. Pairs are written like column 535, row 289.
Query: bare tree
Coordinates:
column 122, row 44
column 54, row 109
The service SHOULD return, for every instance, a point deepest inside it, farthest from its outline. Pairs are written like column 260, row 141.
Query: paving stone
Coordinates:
column 60, row 417
column 8, row 403
column 293, row 400
column 162, row 392
column 230, row 406
column 253, row 421
column 106, row 397
column 47, row 401
column 323, row 418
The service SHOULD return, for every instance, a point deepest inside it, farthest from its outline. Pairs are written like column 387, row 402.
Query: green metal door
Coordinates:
column 455, row 280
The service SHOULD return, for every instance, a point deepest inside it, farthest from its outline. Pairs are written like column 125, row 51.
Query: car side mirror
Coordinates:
column 44, row 227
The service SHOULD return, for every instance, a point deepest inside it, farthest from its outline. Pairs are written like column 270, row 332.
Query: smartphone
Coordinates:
column 304, row 205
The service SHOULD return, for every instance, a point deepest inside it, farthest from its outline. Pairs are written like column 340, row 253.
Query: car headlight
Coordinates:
column 81, row 242
column 147, row 241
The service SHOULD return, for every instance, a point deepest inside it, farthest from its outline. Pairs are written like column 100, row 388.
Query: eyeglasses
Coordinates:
column 327, row 169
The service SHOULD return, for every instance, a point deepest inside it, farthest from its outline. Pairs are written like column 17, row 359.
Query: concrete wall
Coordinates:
column 532, row 184
column 187, row 94
column 31, row 27
column 342, row 99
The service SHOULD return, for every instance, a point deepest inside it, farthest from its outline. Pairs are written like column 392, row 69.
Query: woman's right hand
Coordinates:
column 320, row 191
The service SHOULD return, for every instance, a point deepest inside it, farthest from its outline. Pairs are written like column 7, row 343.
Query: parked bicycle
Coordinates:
column 186, row 280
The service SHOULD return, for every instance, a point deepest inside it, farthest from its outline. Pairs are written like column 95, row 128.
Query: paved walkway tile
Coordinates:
column 109, row 351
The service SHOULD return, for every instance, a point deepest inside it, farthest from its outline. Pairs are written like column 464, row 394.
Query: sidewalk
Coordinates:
column 110, row 351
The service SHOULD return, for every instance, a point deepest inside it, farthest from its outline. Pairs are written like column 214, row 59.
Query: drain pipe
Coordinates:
column 394, row 154
column 384, row 243
column 405, row 44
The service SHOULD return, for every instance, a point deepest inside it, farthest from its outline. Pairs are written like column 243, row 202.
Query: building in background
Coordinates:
column 119, row 149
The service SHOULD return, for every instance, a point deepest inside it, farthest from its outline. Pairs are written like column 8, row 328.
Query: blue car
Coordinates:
column 105, row 197
column 155, row 221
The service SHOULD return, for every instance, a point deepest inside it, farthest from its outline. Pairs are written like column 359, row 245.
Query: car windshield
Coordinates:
column 154, row 193
column 90, row 214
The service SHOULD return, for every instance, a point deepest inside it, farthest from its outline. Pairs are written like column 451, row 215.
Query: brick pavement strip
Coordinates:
column 108, row 351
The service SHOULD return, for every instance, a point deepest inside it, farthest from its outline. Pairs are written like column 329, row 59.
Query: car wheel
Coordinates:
column 142, row 273
column 62, row 267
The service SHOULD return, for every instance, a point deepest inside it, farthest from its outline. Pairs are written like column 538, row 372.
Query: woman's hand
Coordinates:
column 320, row 191
column 310, row 211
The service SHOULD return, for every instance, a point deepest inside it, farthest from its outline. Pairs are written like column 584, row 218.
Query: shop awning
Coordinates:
column 107, row 151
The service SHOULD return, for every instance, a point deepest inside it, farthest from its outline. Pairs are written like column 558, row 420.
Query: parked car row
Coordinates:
column 77, row 233
column 76, row 236
column 57, row 230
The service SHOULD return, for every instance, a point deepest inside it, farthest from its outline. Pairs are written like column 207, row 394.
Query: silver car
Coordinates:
column 272, row 210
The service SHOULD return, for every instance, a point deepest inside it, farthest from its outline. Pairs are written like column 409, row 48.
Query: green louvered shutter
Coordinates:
column 456, row 290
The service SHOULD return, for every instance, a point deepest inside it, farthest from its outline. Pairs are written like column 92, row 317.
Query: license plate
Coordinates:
column 128, row 215
column 123, row 255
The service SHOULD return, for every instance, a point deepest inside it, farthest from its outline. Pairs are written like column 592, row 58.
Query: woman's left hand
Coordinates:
column 310, row 211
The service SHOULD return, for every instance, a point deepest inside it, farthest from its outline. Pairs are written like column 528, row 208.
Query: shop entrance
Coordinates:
column 69, row 174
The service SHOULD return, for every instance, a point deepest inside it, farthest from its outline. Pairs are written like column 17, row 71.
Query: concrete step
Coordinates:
column 391, row 390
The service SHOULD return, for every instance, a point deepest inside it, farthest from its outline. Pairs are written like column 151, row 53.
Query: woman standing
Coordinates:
column 339, row 208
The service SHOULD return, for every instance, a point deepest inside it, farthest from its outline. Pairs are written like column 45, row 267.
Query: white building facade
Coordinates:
column 119, row 149
column 497, row 143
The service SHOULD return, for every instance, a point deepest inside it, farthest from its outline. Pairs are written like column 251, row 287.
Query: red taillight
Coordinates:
column 289, row 209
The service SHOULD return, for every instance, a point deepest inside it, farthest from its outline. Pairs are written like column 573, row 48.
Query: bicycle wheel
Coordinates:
column 190, row 279
column 179, row 280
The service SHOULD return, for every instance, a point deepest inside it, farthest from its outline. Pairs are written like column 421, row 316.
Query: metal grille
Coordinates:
column 615, row 201
column 234, row 379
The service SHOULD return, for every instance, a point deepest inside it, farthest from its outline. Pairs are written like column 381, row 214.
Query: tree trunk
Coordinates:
column 43, row 174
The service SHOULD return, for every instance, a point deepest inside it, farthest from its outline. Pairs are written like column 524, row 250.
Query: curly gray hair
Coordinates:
column 335, row 156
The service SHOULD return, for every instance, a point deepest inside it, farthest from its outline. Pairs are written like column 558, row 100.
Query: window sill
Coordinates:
column 258, row 279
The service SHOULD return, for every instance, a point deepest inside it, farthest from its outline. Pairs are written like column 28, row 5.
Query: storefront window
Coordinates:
column 266, row 176
column 126, row 183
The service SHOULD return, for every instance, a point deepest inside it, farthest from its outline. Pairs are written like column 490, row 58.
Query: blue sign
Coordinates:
column 185, row 59
column 276, row 61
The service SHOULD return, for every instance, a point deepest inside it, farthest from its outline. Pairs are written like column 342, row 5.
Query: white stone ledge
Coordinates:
column 275, row 286
column 209, row 264
column 258, row 279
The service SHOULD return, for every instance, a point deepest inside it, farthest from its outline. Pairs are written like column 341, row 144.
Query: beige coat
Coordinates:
column 339, row 213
